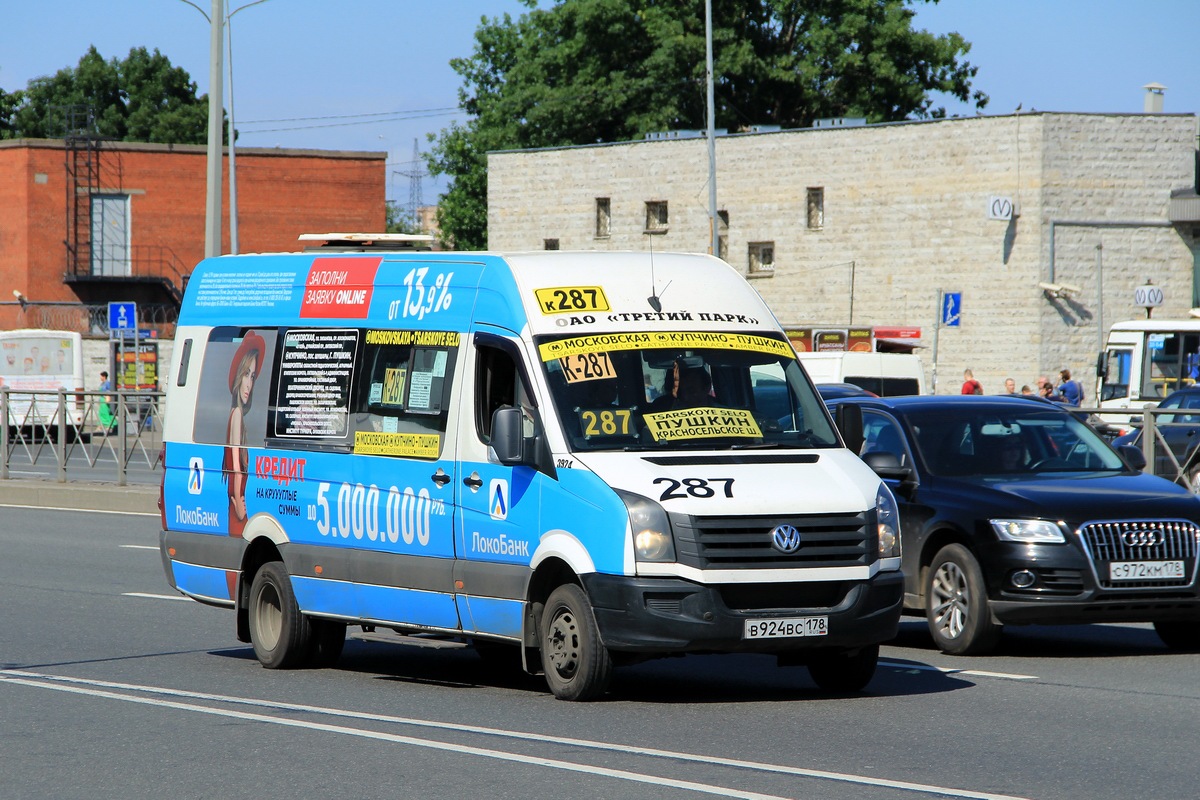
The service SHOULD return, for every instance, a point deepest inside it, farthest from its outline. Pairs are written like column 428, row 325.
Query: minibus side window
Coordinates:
column 404, row 388
column 234, row 391
column 499, row 383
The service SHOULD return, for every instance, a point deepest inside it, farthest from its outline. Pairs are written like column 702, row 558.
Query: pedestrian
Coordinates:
column 1070, row 391
column 104, row 407
column 970, row 385
column 1046, row 392
column 1010, row 386
column 1025, row 390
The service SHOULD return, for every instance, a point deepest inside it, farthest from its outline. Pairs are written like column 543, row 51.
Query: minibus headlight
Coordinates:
column 651, row 530
column 887, row 517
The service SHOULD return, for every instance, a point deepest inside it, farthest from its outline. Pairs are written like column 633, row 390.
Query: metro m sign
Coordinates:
column 1002, row 208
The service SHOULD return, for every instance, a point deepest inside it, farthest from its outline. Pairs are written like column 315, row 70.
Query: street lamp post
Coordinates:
column 712, row 145
column 212, row 218
column 233, row 205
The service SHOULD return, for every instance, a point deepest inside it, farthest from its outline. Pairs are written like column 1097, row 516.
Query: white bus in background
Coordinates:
column 1144, row 361
column 41, row 361
column 885, row 374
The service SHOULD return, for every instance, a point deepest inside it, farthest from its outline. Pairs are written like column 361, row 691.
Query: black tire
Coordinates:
column 281, row 635
column 1181, row 635
column 956, row 604
column 844, row 671
column 326, row 642
column 577, row 664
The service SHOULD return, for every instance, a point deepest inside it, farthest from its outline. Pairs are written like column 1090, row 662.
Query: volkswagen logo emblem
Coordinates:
column 1142, row 538
column 785, row 539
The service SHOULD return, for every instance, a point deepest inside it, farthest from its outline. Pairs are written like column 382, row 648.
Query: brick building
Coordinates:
column 870, row 224
column 85, row 221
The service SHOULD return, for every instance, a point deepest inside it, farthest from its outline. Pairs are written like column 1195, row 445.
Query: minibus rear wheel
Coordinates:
column 281, row 635
column 575, row 660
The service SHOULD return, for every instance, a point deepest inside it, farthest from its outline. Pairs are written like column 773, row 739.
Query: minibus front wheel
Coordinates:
column 281, row 635
column 576, row 662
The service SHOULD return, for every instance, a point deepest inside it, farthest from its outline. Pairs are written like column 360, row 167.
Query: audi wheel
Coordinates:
column 956, row 604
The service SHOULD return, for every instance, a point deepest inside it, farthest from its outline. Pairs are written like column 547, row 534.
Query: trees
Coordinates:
column 586, row 71
column 140, row 99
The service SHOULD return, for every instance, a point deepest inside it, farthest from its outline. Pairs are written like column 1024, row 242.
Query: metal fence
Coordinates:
column 117, row 435
column 1161, row 458
column 93, row 435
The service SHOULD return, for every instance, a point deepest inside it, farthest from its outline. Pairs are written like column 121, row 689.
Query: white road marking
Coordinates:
column 140, row 546
column 155, row 596
column 1011, row 676
column 82, row 510
column 82, row 686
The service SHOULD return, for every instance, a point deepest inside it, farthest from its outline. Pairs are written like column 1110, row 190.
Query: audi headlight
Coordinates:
column 1028, row 531
column 887, row 516
column 651, row 530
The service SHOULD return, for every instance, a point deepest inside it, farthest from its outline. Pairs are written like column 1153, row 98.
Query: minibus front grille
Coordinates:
column 826, row 540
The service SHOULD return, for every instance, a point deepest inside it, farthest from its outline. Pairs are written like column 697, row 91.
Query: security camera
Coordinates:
column 1059, row 290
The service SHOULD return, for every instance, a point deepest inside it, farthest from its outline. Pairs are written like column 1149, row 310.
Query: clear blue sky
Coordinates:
column 322, row 67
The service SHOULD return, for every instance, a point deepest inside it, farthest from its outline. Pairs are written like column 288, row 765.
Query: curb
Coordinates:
column 80, row 496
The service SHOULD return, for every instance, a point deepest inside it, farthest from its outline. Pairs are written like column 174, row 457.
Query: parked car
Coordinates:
column 1013, row 511
column 1181, row 432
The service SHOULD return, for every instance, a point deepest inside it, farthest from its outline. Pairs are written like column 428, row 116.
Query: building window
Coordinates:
column 656, row 216
column 816, row 208
column 603, row 217
column 550, row 244
column 723, row 235
column 762, row 258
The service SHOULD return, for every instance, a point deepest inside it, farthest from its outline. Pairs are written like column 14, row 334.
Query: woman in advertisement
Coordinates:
column 243, row 371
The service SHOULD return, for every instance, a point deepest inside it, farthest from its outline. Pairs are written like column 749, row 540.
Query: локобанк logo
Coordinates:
column 498, row 499
column 195, row 475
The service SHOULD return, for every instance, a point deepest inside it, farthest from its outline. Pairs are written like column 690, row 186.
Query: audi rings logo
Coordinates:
column 1142, row 538
column 785, row 539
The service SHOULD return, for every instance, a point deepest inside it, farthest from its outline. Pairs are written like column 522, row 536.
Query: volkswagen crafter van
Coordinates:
column 564, row 453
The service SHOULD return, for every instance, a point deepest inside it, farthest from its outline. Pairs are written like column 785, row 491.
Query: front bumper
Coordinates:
column 672, row 615
column 1067, row 589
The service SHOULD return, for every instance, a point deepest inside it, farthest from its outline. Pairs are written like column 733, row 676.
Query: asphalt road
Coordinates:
column 111, row 687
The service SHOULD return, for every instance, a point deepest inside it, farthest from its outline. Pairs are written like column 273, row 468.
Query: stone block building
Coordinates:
column 1043, row 222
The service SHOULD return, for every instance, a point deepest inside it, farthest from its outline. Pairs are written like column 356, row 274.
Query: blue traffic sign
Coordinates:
column 952, row 309
column 122, row 316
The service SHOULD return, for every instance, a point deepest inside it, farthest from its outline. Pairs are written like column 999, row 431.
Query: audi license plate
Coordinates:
column 785, row 627
column 1145, row 570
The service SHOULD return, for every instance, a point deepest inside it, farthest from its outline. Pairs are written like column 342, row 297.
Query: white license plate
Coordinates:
column 785, row 627
column 1144, row 570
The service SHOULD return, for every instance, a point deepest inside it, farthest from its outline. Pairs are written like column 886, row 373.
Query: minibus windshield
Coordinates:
column 662, row 391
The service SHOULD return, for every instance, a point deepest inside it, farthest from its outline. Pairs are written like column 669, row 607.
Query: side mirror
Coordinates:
column 1102, row 366
column 508, row 439
column 849, row 420
column 1133, row 456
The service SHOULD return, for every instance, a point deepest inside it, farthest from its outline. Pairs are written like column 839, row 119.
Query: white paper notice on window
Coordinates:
column 418, row 390
column 439, row 364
